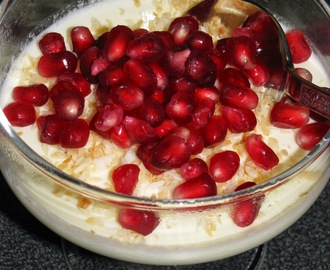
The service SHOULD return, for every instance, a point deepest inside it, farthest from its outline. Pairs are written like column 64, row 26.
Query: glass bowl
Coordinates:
column 190, row 231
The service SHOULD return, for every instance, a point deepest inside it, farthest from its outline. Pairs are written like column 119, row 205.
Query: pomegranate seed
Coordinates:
column 245, row 185
column 245, row 212
column 193, row 168
column 139, row 130
column 69, row 105
column 170, row 153
column 120, row 136
column 99, row 65
column 182, row 28
column 201, row 41
column 236, row 96
column 49, row 127
column 117, row 40
column 108, row 116
column 233, row 76
column 286, row 115
column 125, row 178
column 52, row 43
column 127, row 95
column 167, row 39
column 141, row 75
column 78, row 81
column 239, row 119
column 36, row 94
column 149, row 47
column 219, row 61
column 141, row 221
column 260, row 153
column 144, row 153
column 20, row 113
column 259, row 75
column 86, row 63
column 224, row 165
column 74, row 134
column 192, row 137
column 221, row 50
column 60, row 87
column 161, row 76
column 200, row 69
column 311, row 134
column 180, row 85
column 140, row 32
column 180, row 108
column 165, row 127
column 241, row 52
column 159, row 96
column 211, row 93
column 215, row 131
column 174, row 62
column 304, row 73
column 202, row 113
column 81, row 38
column 111, row 76
column 55, row 64
column 152, row 112
column 299, row 47
column 199, row 187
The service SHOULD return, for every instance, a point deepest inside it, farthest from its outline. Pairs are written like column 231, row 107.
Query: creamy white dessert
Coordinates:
column 93, row 164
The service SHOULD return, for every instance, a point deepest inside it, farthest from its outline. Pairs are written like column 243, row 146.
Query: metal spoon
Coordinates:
column 308, row 94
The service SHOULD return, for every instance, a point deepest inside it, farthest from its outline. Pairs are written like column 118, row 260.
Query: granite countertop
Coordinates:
column 28, row 244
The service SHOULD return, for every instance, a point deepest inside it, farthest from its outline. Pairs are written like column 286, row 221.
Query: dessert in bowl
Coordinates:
column 160, row 214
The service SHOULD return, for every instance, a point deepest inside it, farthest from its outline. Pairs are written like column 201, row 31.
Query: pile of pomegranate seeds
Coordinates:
column 173, row 93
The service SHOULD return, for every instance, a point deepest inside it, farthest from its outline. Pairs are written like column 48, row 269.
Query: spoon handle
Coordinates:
column 315, row 98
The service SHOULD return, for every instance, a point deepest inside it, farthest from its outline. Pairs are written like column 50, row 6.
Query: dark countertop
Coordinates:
column 27, row 244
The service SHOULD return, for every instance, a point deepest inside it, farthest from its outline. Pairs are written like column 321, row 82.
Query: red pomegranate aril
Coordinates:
column 159, row 96
column 152, row 112
column 304, row 73
column 86, row 63
column 140, row 32
column 259, row 75
column 245, row 185
column 149, row 48
column 162, row 77
column 182, row 28
column 120, row 136
column 108, row 116
column 219, row 61
column 286, row 115
column 182, row 84
column 239, row 119
column 170, row 153
column 236, row 96
column 260, row 153
column 180, row 108
column 199, row 187
column 215, row 131
column 241, row 52
column 141, row 75
column 245, row 212
column 99, row 65
column 62, row 86
column 139, row 130
column 111, row 76
column 233, row 76
column 52, row 42
column 117, row 40
column 202, row 114
column 165, row 127
column 193, row 168
column 49, row 127
column 55, row 64
column 167, row 39
column 141, row 221
column 125, row 178
column 81, row 38
column 36, row 94
column 127, row 95
column 200, row 69
column 74, row 134
column 69, row 105
column 224, row 165
column 201, row 41
column 144, row 153
column 311, row 134
column 78, row 81
column 299, row 47
column 174, row 62
column 211, row 93
column 20, row 113
column 192, row 137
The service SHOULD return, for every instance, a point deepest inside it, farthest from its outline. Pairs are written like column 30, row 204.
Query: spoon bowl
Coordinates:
column 305, row 92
